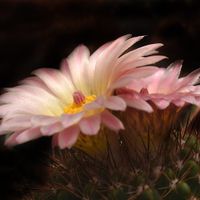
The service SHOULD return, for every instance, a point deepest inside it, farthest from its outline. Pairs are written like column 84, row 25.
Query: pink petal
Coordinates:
column 43, row 120
column 90, row 125
column 28, row 135
column 64, row 68
column 37, row 100
column 143, row 62
column 54, row 142
column 107, row 59
column 78, row 62
column 169, row 78
column 189, row 99
column 35, row 81
column 98, row 103
column 11, row 141
column 190, row 79
column 143, row 72
column 121, row 82
column 51, row 129
column 57, row 83
column 92, row 64
column 161, row 103
column 178, row 102
column 111, row 121
column 151, row 82
column 137, row 54
column 115, row 103
column 16, row 124
column 70, row 119
column 139, row 104
column 68, row 137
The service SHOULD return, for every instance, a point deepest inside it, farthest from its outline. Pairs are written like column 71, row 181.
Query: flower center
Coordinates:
column 79, row 101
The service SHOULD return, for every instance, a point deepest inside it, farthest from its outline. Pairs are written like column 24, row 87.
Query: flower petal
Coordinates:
column 16, row 124
column 137, row 54
column 78, row 62
column 11, row 141
column 107, row 59
column 43, row 120
column 68, row 137
column 111, row 121
column 98, row 103
column 90, row 125
column 29, row 134
column 115, row 103
column 140, row 104
column 70, row 119
column 51, row 129
column 161, row 103
column 57, row 83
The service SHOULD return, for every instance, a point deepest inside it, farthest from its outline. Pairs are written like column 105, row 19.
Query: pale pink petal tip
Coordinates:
column 90, row 125
column 115, row 103
column 68, row 137
column 111, row 121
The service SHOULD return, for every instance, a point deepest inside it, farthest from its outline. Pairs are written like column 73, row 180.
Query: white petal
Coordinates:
column 43, row 120
column 57, row 83
column 106, row 62
column 78, row 62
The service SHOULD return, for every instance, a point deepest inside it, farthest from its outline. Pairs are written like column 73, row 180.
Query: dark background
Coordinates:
column 39, row 33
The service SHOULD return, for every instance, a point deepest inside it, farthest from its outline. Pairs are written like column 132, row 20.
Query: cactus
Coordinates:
column 170, row 173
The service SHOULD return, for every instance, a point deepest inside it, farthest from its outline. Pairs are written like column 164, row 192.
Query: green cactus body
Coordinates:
column 175, row 176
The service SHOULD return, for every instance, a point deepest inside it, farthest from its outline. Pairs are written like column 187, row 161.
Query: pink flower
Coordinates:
column 168, row 95
column 77, row 97
column 164, row 87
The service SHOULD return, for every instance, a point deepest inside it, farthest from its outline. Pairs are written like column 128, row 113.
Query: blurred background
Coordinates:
column 39, row 33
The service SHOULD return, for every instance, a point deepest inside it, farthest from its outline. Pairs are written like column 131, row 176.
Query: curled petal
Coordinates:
column 111, row 121
column 68, row 137
column 90, row 125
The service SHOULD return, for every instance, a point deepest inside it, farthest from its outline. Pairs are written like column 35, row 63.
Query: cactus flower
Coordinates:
column 78, row 98
column 168, row 95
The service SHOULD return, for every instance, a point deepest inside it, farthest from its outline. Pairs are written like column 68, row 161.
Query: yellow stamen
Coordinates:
column 74, row 108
